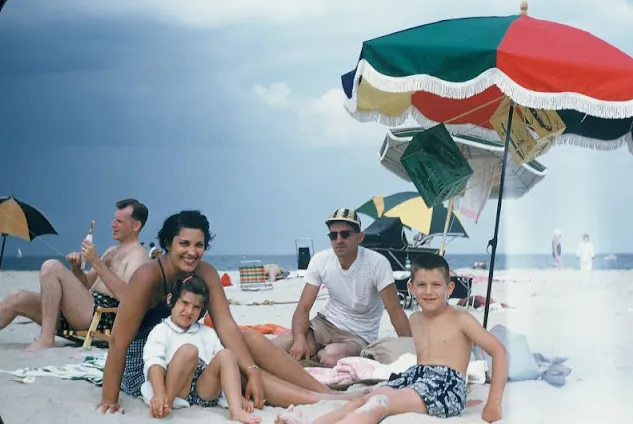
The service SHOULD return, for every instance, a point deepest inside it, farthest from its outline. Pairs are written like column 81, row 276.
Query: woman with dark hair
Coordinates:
column 271, row 375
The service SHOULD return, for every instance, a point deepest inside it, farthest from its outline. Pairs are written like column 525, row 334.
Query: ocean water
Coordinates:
column 622, row 261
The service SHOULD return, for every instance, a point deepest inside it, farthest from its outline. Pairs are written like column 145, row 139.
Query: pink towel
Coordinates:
column 346, row 370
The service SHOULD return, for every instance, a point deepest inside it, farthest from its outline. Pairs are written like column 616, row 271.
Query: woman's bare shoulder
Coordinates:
column 148, row 273
column 206, row 270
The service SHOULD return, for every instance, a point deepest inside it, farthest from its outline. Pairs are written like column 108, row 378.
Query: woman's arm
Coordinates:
column 143, row 285
column 223, row 322
column 229, row 333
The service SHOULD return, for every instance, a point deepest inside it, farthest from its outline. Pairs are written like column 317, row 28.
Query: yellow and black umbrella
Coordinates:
column 414, row 214
column 21, row 220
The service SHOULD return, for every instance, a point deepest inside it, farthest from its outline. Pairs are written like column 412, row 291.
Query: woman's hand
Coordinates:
column 108, row 406
column 255, row 387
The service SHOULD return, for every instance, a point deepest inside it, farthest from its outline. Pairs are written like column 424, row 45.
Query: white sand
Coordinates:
column 586, row 317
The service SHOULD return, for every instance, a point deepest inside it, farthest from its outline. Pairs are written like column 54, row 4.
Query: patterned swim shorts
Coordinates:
column 107, row 319
column 193, row 397
column 442, row 389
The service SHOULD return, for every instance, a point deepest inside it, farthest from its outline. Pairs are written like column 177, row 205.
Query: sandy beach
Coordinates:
column 585, row 317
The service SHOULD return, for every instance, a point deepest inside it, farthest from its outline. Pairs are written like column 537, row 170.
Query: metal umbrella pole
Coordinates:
column 493, row 242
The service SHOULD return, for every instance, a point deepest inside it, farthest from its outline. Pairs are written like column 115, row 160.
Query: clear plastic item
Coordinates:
column 89, row 238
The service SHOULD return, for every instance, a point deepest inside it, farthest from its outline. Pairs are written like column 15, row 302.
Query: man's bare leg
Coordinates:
column 277, row 362
column 23, row 303
column 61, row 291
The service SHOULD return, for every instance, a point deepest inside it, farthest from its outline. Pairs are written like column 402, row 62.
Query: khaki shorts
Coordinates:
column 326, row 333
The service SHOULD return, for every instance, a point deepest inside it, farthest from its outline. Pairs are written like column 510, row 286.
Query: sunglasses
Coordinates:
column 345, row 234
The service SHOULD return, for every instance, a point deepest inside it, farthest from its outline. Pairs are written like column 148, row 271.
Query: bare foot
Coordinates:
column 290, row 416
column 38, row 345
column 244, row 417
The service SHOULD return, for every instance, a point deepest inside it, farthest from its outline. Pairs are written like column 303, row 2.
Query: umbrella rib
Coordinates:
column 468, row 112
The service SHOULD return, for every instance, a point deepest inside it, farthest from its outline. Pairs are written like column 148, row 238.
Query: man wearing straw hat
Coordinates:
column 68, row 298
column 361, row 286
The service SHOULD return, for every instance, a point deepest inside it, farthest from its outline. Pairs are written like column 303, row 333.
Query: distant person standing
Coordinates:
column 557, row 248
column 586, row 253
column 154, row 251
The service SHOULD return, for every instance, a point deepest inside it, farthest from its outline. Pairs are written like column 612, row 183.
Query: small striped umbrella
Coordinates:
column 413, row 212
column 21, row 220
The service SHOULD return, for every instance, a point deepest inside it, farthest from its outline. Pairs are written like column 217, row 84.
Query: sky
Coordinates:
column 235, row 109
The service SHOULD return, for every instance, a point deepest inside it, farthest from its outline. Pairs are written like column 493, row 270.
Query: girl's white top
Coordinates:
column 166, row 338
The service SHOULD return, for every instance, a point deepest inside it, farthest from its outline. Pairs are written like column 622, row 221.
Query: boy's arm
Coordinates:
column 493, row 347
column 154, row 358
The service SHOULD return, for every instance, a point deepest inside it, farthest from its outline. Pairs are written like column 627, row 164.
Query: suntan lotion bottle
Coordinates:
column 89, row 238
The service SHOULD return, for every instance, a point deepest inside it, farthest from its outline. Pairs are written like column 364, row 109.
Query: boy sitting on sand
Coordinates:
column 183, row 359
column 443, row 339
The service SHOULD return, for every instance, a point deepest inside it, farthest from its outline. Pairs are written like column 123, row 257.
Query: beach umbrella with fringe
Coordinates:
column 21, row 220
column 413, row 213
column 484, row 157
column 464, row 73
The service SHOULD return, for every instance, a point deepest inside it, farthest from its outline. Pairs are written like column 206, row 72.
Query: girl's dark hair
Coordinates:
column 190, row 219
column 192, row 284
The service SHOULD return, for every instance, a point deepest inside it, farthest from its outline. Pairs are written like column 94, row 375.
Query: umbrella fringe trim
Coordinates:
column 412, row 113
column 447, row 89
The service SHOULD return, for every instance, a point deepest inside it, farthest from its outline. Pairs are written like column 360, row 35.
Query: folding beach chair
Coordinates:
column 253, row 276
column 87, row 337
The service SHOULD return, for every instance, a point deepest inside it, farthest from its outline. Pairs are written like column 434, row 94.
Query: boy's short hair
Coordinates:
column 429, row 261
column 194, row 284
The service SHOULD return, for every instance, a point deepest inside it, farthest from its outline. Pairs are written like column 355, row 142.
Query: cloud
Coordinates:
column 276, row 95
column 323, row 121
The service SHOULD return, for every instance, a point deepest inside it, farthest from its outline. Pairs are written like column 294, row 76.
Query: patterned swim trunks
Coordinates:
column 442, row 389
column 107, row 319
column 193, row 397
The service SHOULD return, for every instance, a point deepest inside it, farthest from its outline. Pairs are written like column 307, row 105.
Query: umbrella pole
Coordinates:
column 446, row 225
column 4, row 240
column 493, row 241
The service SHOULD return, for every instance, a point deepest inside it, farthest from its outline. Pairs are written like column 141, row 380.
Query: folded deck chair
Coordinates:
column 253, row 276
column 87, row 337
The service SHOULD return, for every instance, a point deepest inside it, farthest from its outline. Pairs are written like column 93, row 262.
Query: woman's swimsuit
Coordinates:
column 133, row 376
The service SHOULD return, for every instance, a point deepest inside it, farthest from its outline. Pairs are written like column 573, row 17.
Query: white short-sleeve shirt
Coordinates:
column 355, row 304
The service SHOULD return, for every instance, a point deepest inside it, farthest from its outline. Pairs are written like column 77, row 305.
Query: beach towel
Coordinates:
column 265, row 329
column 91, row 370
column 346, row 370
column 356, row 369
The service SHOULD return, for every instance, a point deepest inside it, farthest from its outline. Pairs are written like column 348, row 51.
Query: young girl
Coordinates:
column 183, row 359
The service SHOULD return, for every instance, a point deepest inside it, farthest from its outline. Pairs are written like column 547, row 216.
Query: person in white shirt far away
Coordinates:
column 361, row 286
column 183, row 359
column 586, row 253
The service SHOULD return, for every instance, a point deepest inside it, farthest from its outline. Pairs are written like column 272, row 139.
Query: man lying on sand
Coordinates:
column 68, row 298
column 360, row 284
column 443, row 338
